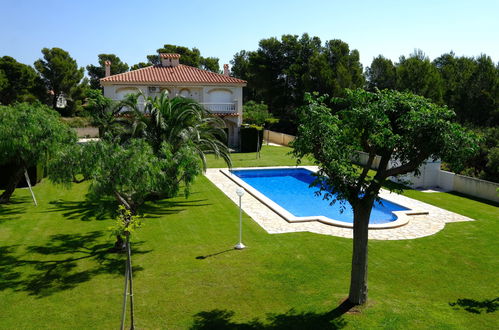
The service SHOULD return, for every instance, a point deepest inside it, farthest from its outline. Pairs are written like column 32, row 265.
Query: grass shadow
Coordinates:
column 86, row 210
column 62, row 263
column 159, row 208
column 476, row 306
column 214, row 254
column 14, row 208
column 291, row 320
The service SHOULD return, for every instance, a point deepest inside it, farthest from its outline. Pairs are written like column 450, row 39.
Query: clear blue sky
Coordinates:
column 133, row 29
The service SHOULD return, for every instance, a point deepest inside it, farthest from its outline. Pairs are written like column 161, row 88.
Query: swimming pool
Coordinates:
column 288, row 192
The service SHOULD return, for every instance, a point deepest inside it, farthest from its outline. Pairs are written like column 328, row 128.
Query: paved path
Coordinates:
column 418, row 226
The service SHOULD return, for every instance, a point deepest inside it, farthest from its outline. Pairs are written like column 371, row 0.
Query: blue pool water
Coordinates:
column 290, row 189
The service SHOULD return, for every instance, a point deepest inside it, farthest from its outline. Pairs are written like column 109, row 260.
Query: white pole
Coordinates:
column 240, row 222
column 29, row 186
column 240, row 245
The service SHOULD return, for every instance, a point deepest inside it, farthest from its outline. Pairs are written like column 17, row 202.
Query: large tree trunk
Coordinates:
column 358, row 278
column 11, row 186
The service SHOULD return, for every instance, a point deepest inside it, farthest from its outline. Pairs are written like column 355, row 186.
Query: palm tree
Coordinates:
column 181, row 131
column 182, row 123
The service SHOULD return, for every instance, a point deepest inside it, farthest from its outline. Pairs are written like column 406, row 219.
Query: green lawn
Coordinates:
column 55, row 271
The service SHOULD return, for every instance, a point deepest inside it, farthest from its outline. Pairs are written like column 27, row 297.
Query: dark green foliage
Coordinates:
column 417, row 75
column 140, row 65
column 128, row 172
column 98, row 72
column 105, row 113
column 19, row 82
column 251, row 139
column 279, row 72
column 190, row 57
column 471, row 88
column 485, row 164
column 382, row 74
column 29, row 135
column 61, row 74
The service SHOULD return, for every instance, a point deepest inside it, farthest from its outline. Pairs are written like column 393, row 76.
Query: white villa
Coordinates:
column 220, row 94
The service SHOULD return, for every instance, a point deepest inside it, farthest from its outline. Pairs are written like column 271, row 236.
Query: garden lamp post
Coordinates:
column 240, row 245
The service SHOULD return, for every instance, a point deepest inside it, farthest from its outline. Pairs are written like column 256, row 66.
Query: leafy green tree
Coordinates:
column 391, row 124
column 336, row 68
column 29, row 135
column 19, row 82
column 471, row 88
column 280, row 71
column 99, row 71
column 105, row 113
column 382, row 74
column 191, row 57
column 61, row 74
column 483, row 93
column 257, row 114
column 416, row 74
column 185, row 125
column 140, row 65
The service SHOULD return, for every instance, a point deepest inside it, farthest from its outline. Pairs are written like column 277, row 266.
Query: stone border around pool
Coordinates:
column 419, row 221
column 402, row 216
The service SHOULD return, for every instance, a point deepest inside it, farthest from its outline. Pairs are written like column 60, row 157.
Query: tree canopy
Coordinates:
column 29, row 134
column 416, row 74
column 382, row 74
column 191, row 57
column 257, row 114
column 61, row 75
column 96, row 72
column 280, row 71
column 402, row 128
column 19, row 82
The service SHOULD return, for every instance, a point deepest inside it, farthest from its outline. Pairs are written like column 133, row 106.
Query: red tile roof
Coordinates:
column 178, row 74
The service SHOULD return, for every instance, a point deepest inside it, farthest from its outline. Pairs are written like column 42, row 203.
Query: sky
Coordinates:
column 134, row 29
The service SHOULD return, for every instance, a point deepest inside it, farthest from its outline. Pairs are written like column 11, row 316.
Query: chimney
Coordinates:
column 169, row 59
column 108, row 68
column 226, row 69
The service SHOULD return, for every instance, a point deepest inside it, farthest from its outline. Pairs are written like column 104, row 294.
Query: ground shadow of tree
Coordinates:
column 477, row 306
column 291, row 320
column 86, row 210
column 156, row 209
column 89, row 209
column 13, row 209
column 47, row 269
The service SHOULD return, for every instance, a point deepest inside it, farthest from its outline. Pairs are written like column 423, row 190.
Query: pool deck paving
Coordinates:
column 418, row 226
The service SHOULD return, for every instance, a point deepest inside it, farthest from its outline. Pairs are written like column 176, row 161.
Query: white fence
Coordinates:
column 468, row 185
column 277, row 138
column 433, row 177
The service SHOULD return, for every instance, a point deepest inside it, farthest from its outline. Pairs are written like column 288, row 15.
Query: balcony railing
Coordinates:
column 220, row 107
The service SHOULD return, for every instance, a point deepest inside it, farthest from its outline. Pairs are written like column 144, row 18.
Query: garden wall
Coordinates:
column 277, row 138
column 87, row 132
column 433, row 177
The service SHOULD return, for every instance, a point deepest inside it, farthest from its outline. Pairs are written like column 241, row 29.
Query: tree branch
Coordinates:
column 406, row 168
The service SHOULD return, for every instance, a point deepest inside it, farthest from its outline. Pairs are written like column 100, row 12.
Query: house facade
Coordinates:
column 220, row 94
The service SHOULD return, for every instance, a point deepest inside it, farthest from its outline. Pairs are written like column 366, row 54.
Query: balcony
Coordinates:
column 220, row 107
